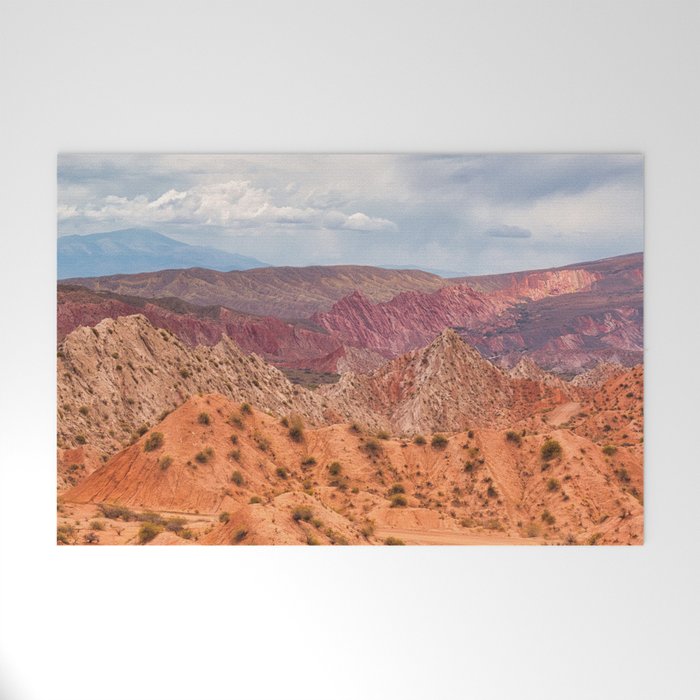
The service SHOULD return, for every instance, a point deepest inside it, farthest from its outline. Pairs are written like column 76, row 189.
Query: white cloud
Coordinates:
column 226, row 204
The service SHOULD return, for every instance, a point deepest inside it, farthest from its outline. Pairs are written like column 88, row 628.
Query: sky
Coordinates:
column 467, row 214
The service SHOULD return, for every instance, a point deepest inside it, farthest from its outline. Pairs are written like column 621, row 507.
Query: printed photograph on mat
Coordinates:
column 350, row 349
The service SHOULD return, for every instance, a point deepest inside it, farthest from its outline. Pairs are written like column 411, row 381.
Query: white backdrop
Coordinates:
column 196, row 623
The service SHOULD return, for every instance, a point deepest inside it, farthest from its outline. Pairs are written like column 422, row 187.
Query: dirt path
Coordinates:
column 563, row 413
column 452, row 537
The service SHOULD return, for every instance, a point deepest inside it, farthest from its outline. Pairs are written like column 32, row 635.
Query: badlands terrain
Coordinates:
column 351, row 405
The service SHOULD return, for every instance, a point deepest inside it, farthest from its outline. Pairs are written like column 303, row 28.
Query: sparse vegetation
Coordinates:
column 512, row 436
column 439, row 442
column 165, row 462
column 224, row 517
column 237, row 478
column 398, row 501
column 153, row 442
column 302, row 513
column 204, row 418
column 148, row 532
column 550, row 450
column 204, row 455
column 372, row 447
column 548, row 518
column 419, row 440
column 383, row 435
column 553, row 484
column 397, row 488
column 609, row 450
column 281, row 472
column 296, row 428
column 394, row 541
column 255, row 499
column 246, row 409
column 239, row 536
column 114, row 512
column 334, row 468
column 308, row 462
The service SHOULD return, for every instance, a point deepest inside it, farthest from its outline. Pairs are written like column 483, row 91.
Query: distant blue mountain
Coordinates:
column 139, row 250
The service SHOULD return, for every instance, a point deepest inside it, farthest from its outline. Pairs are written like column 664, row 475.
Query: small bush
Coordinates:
column 372, row 447
column 234, row 439
column 175, row 525
column 532, row 530
column 153, row 442
column 91, row 538
column 551, row 449
column 419, row 440
column 393, row 541
column 80, row 439
column 84, row 410
column 246, row 409
column 255, row 499
column 65, row 534
column 355, row 428
column 548, row 518
column 334, row 468
column 236, row 420
column 553, row 484
column 311, row 540
column 512, row 436
column 143, row 429
column 148, row 532
column 397, row 488
column 224, row 517
column 309, row 461
column 205, row 455
column 281, row 472
column 240, row 535
column 491, row 491
column 97, row 525
column 609, row 450
column 383, row 435
column 165, row 462
column 302, row 513
column 296, row 428
column 184, row 373
column 237, row 478
column 235, row 455
column 262, row 442
column 398, row 501
column 117, row 512
column 204, row 419
column 439, row 442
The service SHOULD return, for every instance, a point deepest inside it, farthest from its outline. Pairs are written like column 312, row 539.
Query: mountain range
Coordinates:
column 139, row 250
column 505, row 409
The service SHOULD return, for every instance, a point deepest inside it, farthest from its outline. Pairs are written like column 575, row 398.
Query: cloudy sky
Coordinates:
column 471, row 214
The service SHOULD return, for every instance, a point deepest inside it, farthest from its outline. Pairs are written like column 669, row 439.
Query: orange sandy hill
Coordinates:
column 237, row 475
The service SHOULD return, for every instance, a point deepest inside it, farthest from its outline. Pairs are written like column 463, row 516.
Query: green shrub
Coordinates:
column 224, row 517
column 262, row 442
column 393, row 541
column 148, row 532
column 184, row 373
column 398, row 501
column 246, row 409
column 311, row 540
column 235, row 455
column 553, row 484
column 165, row 462
column 237, row 478
column 84, row 410
column 205, row 455
column 240, row 535
column 281, row 472
column 114, row 512
column 548, row 518
column 255, row 499
column 204, row 418
column 153, row 442
column 372, row 447
column 302, row 513
column 334, row 468
column 80, row 439
column 419, row 440
column 512, row 436
column 397, row 488
column 175, row 525
column 91, row 538
column 551, row 449
column 609, row 450
column 309, row 461
column 491, row 491
column 97, row 525
column 143, row 429
column 234, row 439
column 439, row 442
column 383, row 435
column 296, row 428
